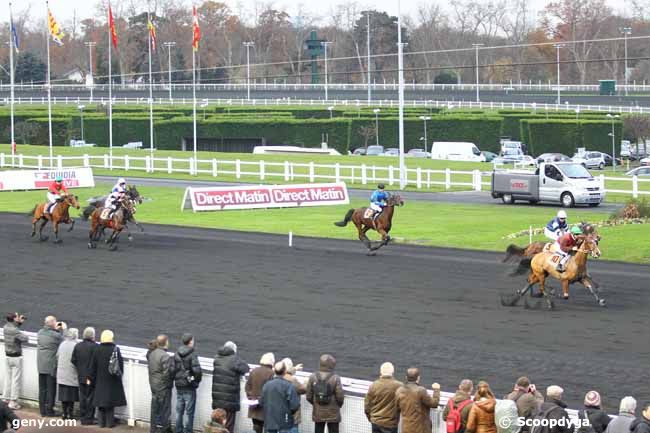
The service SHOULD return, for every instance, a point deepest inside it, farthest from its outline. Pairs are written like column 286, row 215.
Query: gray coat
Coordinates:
column 48, row 344
column 620, row 424
column 161, row 370
column 66, row 372
column 14, row 339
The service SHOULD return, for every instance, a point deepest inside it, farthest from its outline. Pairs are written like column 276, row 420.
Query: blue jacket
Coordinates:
column 279, row 401
column 555, row 224
column 379, row 197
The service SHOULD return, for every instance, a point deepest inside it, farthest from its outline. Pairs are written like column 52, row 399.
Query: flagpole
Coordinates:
column 11, row 75
column 194, row 101
column 49, row 90
column 150, row 88
column 110, row 93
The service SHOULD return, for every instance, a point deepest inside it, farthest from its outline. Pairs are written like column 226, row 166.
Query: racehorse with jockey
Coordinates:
column 54, row 194
column 557, row 227
column 378, row 200
column 565, row 244
column 114, row 198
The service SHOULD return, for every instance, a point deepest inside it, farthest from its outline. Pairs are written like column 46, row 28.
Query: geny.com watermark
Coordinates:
column 507, row 422
column 40, row 424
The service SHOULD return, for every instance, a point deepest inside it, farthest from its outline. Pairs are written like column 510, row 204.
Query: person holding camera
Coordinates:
column 14, row 339
column 48, row 340
column 527, row 399
column 187, row 378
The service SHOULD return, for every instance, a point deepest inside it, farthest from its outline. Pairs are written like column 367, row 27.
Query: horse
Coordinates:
column 98, row 203
column 117, row 223
column 362, row 219
column 544, row 265
column 58, row 215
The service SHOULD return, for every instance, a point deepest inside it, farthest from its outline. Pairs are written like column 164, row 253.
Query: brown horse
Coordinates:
column 362, row 219
column 59, row 215
column 544, row 265
column 117, row 222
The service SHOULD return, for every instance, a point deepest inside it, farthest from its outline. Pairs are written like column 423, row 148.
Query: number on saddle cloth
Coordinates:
column 556, row 258
column 105, row 212
column 368, row 213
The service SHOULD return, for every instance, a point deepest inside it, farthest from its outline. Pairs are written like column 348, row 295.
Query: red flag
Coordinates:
column 152, row 34
column 196, row 30
column 111, row 25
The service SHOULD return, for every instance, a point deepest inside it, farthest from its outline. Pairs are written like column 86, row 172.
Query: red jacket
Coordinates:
column 566, row 242
column 57, row 188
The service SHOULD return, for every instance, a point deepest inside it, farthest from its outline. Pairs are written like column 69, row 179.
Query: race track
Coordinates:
column 433, row 308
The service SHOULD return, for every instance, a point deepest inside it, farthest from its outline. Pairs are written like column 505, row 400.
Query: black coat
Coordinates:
column 640, row 425
column 226, row 378
column 7, row 416
column 598, row 418
column 280, row 401
column 82, row 358
column 557, row 411
column 186, row 362
column 109, row 391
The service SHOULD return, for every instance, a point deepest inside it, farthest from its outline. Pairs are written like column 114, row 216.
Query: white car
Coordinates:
column 392, row 151
column 639, row 171
column 645, row 161
column 597, row 160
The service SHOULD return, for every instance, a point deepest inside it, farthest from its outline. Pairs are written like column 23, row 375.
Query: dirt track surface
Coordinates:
column 433, row 308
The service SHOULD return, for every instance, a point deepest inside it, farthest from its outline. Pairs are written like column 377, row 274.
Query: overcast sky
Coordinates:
column 86, row 8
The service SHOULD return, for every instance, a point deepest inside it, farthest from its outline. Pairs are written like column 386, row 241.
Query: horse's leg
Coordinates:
column 362, row 234
column 114, row 237
column 547, row 297
column 565, row 289
column 34, row 221
column 40, row 231
column 589, row 285
column 56, row 232
column 71, row 222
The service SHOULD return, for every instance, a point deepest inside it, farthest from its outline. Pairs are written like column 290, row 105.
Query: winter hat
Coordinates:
column 231, row 345
column 107, row 336
column 387, row 369
column 268, row 359
column 592, row 398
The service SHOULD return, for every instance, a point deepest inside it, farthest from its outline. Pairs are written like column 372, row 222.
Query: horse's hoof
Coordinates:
column 602, row 302
column 565, row 297
column 113, row 247
column 90, row 246
column 33, row 234
column 58, row 241
column 371, row 253
column 44, row 238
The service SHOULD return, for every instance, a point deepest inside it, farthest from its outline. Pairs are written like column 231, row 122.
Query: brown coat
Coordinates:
column 458, row 398
column 301, row 389
column 330, row 412
column 381, row 403
column 481, row 417
column 213, row 427
column 528, row 404
column 256, row 380
column 415, row 404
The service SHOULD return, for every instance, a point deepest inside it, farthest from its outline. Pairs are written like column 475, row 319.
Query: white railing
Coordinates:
column 289, row 171
column 138, row 395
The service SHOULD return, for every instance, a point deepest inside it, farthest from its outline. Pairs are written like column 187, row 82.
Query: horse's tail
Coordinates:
column 33, row 211
column 88, row 211
column 523, row 267
column 513, row 251
column 346, row 220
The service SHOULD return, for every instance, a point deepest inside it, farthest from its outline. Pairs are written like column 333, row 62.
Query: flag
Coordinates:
column 196, row 30
column 55, row 30
column 152, row 34
column 111, row 26
column 14, row 35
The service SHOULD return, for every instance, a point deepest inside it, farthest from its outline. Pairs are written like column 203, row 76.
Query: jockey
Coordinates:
column 557, row 226
column 118, row 191
column 54, row 192
column 564, row 245
column 378, row 200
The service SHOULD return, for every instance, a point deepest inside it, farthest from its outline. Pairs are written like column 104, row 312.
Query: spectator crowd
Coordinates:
column 90, row 374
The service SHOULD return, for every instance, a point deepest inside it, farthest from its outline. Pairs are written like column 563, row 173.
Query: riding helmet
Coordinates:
column 576, row 230
column 381, row 186
column 58, row 179
column 561, row 214
column 121, row 181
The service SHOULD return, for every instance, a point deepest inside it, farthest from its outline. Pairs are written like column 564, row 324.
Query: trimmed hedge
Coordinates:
column 565, row 136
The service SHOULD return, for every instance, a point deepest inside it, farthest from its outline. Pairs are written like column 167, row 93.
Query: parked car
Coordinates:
column 391, row 151
column 645, row 161
column 419, row 154
column 489, row 156
column 597, row 160
column 552, row 157
column 359, row 151
column 516, row 158
column 508, row 146
column 374, row 150
column 456, row 151
column 639, row 171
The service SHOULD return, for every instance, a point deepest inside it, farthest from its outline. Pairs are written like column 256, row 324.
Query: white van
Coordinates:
column 456, row 151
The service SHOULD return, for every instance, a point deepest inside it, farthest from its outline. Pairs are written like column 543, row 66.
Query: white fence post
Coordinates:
column 286, row 171
column 447, row 178
column 238, row 169
column 337, row 172
column 59, row 161
column 364, row 179
column 147, row 164
column 86, row 160
column 602, row 182
column 215, row 171
column 169, row 165
column 126, row 162
column 20, row 161
column 635, row 186
column 391, row 175
column 106, row 161
column 40, row 162
column 2, row 159
column 311, row 171
column 262, row 169
column 418, row 178
column 477, row 181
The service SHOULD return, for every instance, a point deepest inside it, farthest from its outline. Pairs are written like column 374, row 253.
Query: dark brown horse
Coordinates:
column 58, row 215
column 117, row 222
column 362, row 219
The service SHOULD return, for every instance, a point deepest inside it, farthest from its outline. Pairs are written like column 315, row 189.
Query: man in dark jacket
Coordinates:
column 14, row 339
column 226, row 382
column 461, row 400
column 161, row 374
column 8, row 419
column 82, row 357
column 380, row 403
column 187, row 378
column 598, row 418
column 279, row 401
column 49, row 338
column 555, row 409
column 325, row 393
column 527, row 399
column 415, row 403
column 642, row 425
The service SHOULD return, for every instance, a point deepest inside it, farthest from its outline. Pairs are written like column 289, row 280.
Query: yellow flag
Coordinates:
column 55, row 30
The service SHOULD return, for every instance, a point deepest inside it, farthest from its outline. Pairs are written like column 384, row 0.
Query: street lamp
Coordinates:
column 611, row 134
column 90, row 46
column 248, row 46
column 557, row 50
column 169, row 46
column 376, row 111
column 476, row 46
column 331, row 108
column 81, row 110
column 424, row 119
column 325, row 44
column 626, row 31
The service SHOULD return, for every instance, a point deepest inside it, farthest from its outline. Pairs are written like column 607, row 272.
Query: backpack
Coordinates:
column 454, row 423
column 505, row 416
column 323, row 390
column 542, row 415
column 114, row 364
column 187, row 375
